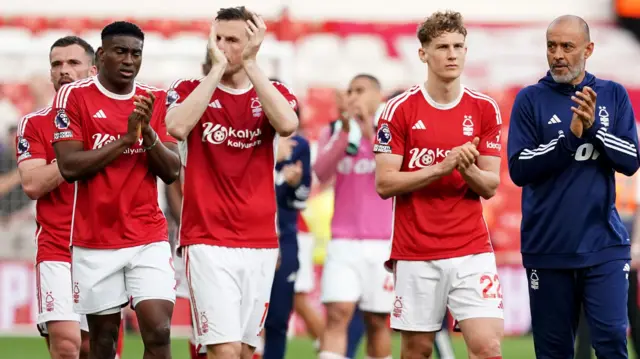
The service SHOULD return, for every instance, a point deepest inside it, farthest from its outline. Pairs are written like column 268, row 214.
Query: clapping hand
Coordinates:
column 584, row 114
column 256, row 29
column 292, row 173
column 218, row 58
column 461, row 157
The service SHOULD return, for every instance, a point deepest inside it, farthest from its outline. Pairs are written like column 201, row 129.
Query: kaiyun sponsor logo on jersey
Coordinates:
column 101, row 139
column 238, row 138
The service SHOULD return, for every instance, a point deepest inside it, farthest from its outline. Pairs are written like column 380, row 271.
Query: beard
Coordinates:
column 572, row 74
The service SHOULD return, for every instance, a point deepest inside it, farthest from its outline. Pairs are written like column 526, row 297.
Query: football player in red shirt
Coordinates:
column 71, row 58
column 438, row 153
column 111, row 139
column 230, row 120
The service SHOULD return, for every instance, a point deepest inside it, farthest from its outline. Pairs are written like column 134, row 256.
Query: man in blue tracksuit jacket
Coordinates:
column 568, row 134
column 293, row 182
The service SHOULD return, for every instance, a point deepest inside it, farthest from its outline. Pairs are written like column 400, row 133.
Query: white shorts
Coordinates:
column 230, row 290
column 107, row 278
column 55, row 303
column 468, row 285
column 305, row 278
column 182, row 289
column 354, row 272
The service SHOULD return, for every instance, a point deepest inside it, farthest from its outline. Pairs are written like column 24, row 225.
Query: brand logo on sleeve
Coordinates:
column 172, row 97
column 62, row 120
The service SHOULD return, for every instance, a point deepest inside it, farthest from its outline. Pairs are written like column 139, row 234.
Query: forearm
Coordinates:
column 181, row 119
column 484, row 183
column 9, row 181
column 329, row 156
column 621, row 152
column 163, row 162
column 78, row 165
column 39, row 181
column 275, row 106
column 394, row 183
column 174, row 200
column 531, row 165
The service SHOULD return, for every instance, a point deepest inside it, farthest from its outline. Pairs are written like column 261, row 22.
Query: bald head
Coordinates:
column 568, row 48
column 571, row 22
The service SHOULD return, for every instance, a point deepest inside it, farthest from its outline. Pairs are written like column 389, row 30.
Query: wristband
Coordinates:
column 153, row 144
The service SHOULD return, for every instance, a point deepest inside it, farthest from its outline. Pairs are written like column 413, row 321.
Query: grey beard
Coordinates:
column 569, row 77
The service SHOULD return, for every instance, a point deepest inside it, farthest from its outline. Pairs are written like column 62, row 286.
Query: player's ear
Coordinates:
column 93, row 70
column 422, row 54
column 589, row 50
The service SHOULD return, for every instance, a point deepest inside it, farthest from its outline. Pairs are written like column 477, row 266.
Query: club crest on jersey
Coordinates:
column 384, row 134
column 23, row 145
column 172, row 97
column 62, row 120
column 467, row 126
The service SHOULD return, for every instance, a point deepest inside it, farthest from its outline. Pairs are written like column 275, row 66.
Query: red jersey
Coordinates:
column 229, row 195
column 53, row 210
column 118, row 207
column 443, row 219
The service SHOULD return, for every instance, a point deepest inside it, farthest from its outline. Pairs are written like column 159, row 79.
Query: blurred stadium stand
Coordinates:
column 316, row 47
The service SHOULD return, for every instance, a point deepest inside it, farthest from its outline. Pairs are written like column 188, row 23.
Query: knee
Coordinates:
column 338, row 317
column 159, row 336
column 377, row 322
column 274, row 325
column 485, row 349
column 103, row 342
column 225, row 351
column 65, row 348
column 417, row 349
column 611, row 339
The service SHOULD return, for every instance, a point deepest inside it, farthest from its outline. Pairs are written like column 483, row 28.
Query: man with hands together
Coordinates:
column 230, row 121
column 568, row 135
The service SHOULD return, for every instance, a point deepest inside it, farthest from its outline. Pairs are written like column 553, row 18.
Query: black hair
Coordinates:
column 75, row 40
column 370, row 78
column 234, row 13
column 122, row 28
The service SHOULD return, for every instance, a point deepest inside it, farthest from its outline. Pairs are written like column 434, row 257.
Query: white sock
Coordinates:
column 329, row 355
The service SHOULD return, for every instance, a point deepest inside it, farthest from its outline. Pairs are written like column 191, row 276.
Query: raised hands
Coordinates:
column 292, row 173
column 584, row 114
column 138, row 121
column 218, row 57
column 256, row 29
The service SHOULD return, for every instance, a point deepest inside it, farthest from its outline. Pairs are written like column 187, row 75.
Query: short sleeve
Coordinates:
column 490, row 143
column 29, row 141
column 288, row 94
column 67, row 115
column 160, row 112
column 391, row 133
column 177, row 92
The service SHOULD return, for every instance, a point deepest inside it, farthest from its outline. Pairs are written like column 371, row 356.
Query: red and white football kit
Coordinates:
column 441, row 250
column 228, row 225
column 119, row 234
column 53, row 226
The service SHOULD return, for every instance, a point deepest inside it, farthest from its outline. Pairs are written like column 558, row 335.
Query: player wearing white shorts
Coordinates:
column 361, row 227
column 438, row 153
column 71, row 58
column 110, row 137
column 230, row 120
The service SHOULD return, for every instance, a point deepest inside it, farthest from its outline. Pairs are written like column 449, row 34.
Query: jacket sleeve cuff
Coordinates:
column 591, row 132
column 572, row 142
